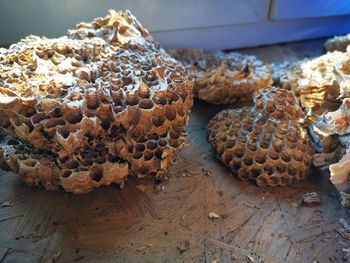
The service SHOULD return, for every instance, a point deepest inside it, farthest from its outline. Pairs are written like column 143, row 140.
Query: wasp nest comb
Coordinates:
column 286, row 75
column 117, row 29
column 256, row 145
column 98, row 105
column 222, row 78
column 278, row 103
column 337, row 43
column 319, row 86
column 338, row 123
column 316, row 82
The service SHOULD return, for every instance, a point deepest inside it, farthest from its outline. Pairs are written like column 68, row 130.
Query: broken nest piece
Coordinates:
column 340, row 177
column 278, row 103
column 337, row 124
column 223, row 78
column 319, row 83
column 285, row 75
column 260, row 147
column 327, row 147
column 102, row 103
column 319, row 86
column 40, row 167
column 337, row 43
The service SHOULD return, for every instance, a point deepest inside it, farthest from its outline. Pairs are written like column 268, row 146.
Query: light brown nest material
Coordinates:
column 104, row 104
column 316, row 82
column 278, row 103
column 337, row 123
column 285, row 75
column 321, row 84
column 337, row 43
column 259, row 147
column 117, row 29
column 223, row 78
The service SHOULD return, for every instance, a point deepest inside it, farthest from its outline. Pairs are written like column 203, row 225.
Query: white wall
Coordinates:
column 208, row 24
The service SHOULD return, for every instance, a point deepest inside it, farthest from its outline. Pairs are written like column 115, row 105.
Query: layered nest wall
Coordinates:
column 337, row 43
column 332, row 124
column 223, row 78
column 278, row 103
column 96, row 105
column 317, row 82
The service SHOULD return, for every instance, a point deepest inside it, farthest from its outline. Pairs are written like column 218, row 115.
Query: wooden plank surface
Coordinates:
column 113, row 225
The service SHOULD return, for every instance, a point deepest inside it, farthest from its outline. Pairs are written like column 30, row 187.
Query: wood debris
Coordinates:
column 207, row 172
column 79, row 258
column 159, row 187
column 344, row 224
column 141, row 187
column 344, row 231
column 184, row 246
column 346, row 253
column 54, row 257
column 7, row 204
column 187, row 173
column 213, row 215
column 141, row 249
column 310, row 199
column 294, row 204
column 343, row 234
column 251, row 259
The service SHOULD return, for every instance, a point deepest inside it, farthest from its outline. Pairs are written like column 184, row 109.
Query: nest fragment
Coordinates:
column 259, row 147
column 319, row 83
column 286, row 74
column 223, row 78
column 337, row 43
column 337, row 123
column 278, row 103
column 105, row 102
